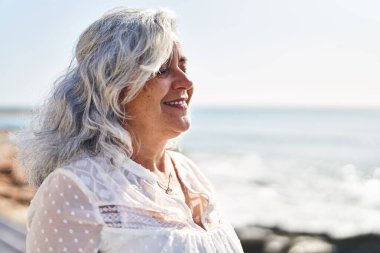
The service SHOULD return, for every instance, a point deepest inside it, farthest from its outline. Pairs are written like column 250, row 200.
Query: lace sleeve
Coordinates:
column 62, row 217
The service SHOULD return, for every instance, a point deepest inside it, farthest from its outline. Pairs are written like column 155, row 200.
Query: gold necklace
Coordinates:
column 168, row 189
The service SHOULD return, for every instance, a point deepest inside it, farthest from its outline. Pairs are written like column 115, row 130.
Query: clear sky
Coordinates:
column 257, row 52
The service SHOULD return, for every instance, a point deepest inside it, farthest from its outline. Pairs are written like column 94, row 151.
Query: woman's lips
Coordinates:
column 178, row 103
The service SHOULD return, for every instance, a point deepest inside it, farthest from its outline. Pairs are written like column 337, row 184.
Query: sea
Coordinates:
column 312, row 170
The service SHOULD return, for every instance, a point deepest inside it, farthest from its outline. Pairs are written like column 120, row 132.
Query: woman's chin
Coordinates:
column 181, row 126
column 185, row 123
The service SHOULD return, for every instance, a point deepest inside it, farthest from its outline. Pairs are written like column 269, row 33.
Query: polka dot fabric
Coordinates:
column 87, row 206
column 64, row 218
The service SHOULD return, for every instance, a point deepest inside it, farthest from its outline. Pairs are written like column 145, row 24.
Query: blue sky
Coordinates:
column 258, row 53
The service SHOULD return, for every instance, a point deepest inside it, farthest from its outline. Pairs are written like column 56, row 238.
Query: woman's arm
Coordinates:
column 62, row 217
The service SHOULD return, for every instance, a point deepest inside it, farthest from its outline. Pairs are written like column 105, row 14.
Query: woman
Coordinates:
column 99, row 150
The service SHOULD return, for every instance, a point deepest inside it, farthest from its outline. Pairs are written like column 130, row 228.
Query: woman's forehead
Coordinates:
column 178, row 52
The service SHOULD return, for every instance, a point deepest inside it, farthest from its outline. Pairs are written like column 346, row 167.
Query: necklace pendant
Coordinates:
column 169, row 190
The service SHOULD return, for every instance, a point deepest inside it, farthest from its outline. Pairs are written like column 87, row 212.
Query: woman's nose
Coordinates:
column 182, row 81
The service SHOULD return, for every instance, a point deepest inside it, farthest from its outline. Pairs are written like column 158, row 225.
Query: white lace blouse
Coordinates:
column 86, row 206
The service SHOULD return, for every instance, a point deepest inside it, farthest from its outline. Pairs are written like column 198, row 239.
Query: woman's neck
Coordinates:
column 149, row 147
column 151, row 155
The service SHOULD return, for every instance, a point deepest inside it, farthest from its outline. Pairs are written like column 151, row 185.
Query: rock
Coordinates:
column 359, row 244
column 253, row 238
column 7, row 153
column 15, row 194
column 8, row 162
column 277, row 244
column 8, row 191
column 307, row 244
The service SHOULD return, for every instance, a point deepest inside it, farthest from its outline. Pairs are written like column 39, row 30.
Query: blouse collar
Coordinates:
column 145, row 173
column 139, row 171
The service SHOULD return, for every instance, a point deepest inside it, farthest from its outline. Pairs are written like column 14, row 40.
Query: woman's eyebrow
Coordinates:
column 182, row 59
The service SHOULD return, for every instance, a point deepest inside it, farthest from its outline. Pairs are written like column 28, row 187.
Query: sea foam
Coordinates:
column 286, row 195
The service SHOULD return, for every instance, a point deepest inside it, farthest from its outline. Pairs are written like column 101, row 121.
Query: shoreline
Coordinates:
column 274, row 240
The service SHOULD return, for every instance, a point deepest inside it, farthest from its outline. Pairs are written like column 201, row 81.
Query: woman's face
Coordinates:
column 161, row 108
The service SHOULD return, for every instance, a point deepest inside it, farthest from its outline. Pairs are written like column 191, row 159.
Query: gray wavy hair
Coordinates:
column 117, row 53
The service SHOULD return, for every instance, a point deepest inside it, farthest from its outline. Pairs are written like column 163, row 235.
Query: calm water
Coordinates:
column 308, row 135
column 314, row 170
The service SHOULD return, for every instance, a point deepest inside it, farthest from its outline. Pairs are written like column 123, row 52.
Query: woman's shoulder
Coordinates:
column 86, row 163
column 62, row 194
column 87, row 173
column 94, row 172
column 74, row 175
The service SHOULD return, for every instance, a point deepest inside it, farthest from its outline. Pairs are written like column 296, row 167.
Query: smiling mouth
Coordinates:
column 180, row 104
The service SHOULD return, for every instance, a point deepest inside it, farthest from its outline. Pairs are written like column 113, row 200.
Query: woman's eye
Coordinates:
column 162, row 71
